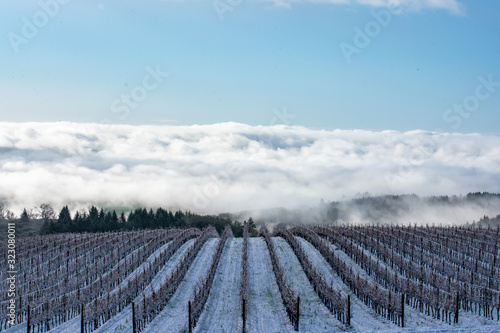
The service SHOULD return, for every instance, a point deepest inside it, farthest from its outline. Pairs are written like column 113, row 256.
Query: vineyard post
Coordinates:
column 134, row 324
column 298, row 314
column 244, row 316
column 29, row 320
column 82, row 321
column 189, row 316
column 348, row 310
column 402, row 310
column 456, row 309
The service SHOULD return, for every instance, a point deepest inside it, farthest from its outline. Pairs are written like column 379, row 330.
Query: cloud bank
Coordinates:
column 231, row 167
column 452, row 6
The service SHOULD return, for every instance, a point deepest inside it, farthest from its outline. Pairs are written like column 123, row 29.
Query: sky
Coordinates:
column 326, row 64
column 228, row 105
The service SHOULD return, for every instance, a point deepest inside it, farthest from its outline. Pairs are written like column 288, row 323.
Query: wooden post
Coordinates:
column 297, row 314
column 402, row 310
column 134, row 324
column 244, row 316
column 189, row 316
column 82, row 321
column 348, row 319
column 29, row 320
column 456, row 309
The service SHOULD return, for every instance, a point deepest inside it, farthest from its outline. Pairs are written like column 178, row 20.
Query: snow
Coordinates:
column 122, row 322
column 314, row 316
column 265, row 310
column 142, row 266
column 73, row 325
column 221, row 312
column 416, row 321
column 362, row 317
column 175, row 314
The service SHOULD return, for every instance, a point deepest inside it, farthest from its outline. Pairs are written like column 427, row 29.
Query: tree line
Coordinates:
column 100, row 220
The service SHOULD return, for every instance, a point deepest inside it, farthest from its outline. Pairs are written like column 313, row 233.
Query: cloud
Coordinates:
column 453, row 6
column 233, row 167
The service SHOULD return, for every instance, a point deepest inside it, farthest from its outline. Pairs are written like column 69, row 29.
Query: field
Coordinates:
column 306, row 278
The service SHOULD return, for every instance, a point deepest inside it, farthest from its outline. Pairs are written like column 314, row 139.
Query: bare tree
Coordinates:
column 33, row 213
column 6, row 214
column 46, row 212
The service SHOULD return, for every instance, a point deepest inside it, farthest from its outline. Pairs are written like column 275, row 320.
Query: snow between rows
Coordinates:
column 314, row 316
column 122, row 322
column 221, row 312
column 362, row 317
column 265, row 312
column 174, row 316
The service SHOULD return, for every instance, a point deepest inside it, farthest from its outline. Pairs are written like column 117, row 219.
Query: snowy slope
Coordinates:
column 413, row 317
column 122, row 322
column 73, row 325
column 363, row 317
column 314, row 316
column 265, row 312
column 221, row 312
column 174, row 316
column 416, row 321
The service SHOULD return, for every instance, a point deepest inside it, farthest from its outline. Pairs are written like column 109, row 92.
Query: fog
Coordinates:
column 231, row 167
column 401, row 210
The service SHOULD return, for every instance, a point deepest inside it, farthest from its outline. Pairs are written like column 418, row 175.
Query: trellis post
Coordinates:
column 29, row 320
column 82, row 319
column 244, row 315
column 348, row 321
column 134, row 324
column 402, row 310
column 297, row 314
column 189, row 316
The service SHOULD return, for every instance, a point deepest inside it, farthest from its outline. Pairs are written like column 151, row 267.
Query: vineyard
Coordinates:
column 301, row 278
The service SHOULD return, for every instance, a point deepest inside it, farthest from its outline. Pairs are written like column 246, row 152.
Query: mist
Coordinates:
column 231, row 167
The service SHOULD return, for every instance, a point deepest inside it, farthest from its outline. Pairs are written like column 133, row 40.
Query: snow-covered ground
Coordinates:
column 73, row 325
column 265, row 311
column 314, row 316
column 122, row 322
column 221, row 311
column 363, row 317
column 416, row 321
column 174, row 317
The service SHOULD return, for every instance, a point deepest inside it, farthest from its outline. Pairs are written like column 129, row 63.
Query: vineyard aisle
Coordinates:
column 73, row 325
column 413, row 317
column 314, row 316
column 266, row 312
column 362, row 317
column 122, row 322
column 221, row 312
column 174, row 317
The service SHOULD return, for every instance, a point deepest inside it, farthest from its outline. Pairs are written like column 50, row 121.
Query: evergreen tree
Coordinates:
column 92, row 221
column 64, row 220
column 25, row 216
column 114, row 224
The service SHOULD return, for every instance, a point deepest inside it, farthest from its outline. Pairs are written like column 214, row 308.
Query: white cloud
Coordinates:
column 232, row 167
column 452, row 6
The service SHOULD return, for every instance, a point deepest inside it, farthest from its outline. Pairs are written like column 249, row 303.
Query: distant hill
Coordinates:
column 388, row 209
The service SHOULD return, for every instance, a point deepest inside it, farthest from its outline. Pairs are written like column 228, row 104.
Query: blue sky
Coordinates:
column 260, row 59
